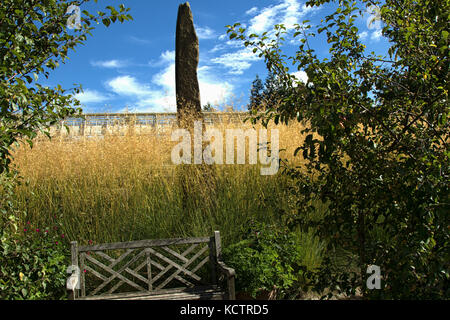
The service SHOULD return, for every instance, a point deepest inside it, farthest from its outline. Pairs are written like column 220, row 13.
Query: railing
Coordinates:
column 98, row 124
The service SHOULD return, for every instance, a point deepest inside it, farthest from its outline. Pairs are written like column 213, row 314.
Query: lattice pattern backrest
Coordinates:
column 146, row 265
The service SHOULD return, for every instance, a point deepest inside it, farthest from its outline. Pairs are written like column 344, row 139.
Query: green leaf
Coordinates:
column 106, row 22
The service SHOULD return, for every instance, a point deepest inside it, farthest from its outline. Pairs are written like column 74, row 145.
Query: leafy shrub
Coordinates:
column 269, row 258
column 33, row 260
column 377, row 146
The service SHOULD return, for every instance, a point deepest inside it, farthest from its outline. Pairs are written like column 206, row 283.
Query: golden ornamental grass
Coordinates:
column 124, row 187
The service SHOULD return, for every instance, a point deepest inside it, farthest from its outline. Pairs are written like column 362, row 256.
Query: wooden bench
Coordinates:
column 160, row 269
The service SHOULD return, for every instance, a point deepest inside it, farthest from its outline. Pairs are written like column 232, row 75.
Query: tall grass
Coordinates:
column 121, row 188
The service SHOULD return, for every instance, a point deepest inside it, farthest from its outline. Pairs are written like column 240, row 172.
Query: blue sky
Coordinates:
column 132, row 65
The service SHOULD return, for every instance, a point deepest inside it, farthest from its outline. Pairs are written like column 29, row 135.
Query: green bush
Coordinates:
column 269, row 258
column 376, row 147
column 33, row 260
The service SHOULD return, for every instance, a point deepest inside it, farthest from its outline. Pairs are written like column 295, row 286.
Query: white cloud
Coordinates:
column 140, row 41
column 128, row 86
column 109, row 64
column 374, row 19
column 167, row 56
column 251, row 11
column 301, row 76
column 230, row 44
column 144, row 98
column 263, row 21
column 217, row 47
column 204, row 33
column 363, row 35
column 91, row 96
column 238, row 61
column 160, row 93
column 166, row 78
column 292, row 13
column 376, row 35
column 212, row 90
column 288, row 12
column 233, row 54
column 374, row 23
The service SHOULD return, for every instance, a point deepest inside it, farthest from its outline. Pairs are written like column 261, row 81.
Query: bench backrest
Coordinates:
column 146, row 265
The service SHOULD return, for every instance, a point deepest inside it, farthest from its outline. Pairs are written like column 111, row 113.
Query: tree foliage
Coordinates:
column 34, row 39
column 381, row 163
column 256, row 94
column 269, row 93
column 274, row 89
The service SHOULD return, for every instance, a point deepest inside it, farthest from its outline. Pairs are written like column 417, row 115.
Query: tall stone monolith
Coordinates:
column 186, row 63
column 197, row 180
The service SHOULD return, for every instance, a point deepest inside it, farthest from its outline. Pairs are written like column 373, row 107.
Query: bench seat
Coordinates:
column 198, row 293
column 150, row 269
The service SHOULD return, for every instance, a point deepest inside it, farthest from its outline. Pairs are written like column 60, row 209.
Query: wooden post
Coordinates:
column 231, row 289
column 230, row 277
column 82, row 275
column 212, row 259
column 218, row 245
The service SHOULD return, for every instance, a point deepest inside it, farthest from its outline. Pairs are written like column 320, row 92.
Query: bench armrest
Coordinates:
column 229, row 274
column 228, row 271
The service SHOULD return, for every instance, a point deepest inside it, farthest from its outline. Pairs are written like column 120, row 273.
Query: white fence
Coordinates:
column 100, row 124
